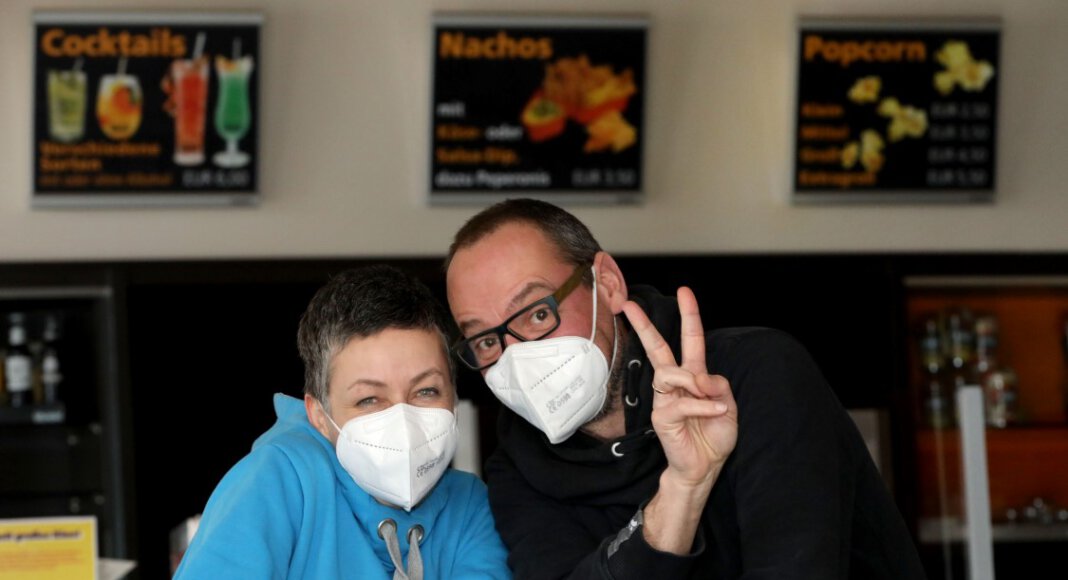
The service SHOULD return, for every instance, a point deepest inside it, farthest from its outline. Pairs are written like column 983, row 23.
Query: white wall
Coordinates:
column 345, row 90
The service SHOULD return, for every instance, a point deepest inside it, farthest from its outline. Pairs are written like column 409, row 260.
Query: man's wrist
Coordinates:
column 672, row 516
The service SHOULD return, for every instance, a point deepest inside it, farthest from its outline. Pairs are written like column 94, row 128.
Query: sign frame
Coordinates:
column 557, row 195
column 105, row 198
column 934, row 195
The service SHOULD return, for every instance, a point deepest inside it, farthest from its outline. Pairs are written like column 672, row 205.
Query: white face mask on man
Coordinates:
column 557, row 384
column 398, row 454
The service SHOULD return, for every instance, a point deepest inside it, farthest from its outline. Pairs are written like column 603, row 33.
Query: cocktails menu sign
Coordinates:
column 896, row 112
column 143, row 109
column 549, row 107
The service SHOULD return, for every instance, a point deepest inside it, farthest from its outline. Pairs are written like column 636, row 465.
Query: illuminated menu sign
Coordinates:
column 896, row 112
column 142, row 109
column 552, row 108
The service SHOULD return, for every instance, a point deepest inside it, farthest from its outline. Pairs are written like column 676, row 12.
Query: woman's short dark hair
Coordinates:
column 360, row 303
column 571, row 237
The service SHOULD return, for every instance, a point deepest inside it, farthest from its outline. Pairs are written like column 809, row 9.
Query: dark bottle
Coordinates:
column 960, row 343
column 937, row 397
column 50, row 375
column 18, row 366
column 1064, row 344
column 999, row 382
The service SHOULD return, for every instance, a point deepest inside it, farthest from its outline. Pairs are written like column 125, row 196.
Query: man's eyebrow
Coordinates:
column 519, row 300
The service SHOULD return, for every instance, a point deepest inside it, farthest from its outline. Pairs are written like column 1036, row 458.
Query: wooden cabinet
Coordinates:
column 1028, row 459
column 65, row 457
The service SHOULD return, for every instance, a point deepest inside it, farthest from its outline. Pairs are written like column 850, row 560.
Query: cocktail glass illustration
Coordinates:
column 66, row 103
column 190, row 104
column 233, row 114
column 118, row 104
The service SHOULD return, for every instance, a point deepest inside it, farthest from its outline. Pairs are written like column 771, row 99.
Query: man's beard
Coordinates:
column 613, row 399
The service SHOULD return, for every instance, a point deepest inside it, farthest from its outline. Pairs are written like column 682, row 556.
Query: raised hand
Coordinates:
column 694, row 413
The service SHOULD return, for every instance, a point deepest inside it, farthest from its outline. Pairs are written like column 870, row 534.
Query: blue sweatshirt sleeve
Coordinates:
column 248, row 529
column 481, row 553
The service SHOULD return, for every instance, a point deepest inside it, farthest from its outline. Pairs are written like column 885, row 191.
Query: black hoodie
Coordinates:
column 798, row 498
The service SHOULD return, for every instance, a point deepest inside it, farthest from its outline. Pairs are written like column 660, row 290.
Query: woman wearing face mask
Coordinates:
column 354, row 481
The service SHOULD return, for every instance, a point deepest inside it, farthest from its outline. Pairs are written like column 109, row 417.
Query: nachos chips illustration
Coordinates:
column 905, row 120
column 865, row 90
column 593, row 96
column 610, row 130
column 961, row 69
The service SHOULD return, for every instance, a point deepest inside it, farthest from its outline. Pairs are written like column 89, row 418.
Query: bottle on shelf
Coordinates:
column 3, row 380
column 50, row 375
column 937, row 399
column 999, row 382
column 1064, row 345
column 18, row 366
column 959, row 331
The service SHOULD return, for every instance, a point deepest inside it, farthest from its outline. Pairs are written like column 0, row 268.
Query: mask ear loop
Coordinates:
column 328, row 417
column 593, row 331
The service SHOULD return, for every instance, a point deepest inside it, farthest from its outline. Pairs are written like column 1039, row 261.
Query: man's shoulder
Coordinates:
column 751, row 341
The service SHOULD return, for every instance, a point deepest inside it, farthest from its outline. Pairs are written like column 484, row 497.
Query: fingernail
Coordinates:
column 719, row 407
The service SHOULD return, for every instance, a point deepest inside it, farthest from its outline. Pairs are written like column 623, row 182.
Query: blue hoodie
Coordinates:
column 290, row 510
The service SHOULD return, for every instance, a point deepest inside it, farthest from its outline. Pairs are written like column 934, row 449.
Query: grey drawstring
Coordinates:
column 387, row 530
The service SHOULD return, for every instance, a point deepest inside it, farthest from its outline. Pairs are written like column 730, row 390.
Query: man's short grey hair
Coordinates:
column 361, row 303
column 573, row 241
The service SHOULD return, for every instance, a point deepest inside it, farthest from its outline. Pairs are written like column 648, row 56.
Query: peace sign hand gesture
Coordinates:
column 694, row 413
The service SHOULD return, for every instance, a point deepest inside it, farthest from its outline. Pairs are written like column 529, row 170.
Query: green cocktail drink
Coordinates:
column 66, row 104
column 233, row 113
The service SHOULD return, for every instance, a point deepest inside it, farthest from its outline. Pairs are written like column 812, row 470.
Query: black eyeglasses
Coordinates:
column 533, row 322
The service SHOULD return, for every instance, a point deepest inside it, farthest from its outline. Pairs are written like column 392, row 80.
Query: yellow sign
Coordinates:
column 48, row 548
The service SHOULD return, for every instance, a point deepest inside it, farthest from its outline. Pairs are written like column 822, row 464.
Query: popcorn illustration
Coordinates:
column 961, row 69
column 865, row 90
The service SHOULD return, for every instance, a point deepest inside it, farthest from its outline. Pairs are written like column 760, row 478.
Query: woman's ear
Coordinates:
column 317, row 417
column 610, row 283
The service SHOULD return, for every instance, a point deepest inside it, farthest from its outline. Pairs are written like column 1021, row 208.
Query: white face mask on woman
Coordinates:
column 557, row 384
column 398, row 454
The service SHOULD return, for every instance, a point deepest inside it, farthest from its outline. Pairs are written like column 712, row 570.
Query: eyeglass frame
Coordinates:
column 501, row 330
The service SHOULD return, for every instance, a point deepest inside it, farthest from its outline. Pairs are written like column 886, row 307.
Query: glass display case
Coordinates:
column 60, row 443
column 1004, row 339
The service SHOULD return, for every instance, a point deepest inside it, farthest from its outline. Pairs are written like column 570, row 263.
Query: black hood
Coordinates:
column 625, row 470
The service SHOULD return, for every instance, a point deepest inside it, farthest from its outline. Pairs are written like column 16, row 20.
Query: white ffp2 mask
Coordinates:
column 397, row 455
column 557, row 384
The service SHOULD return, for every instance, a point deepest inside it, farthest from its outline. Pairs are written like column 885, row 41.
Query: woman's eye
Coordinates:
column 428, row 392
column 366, row 402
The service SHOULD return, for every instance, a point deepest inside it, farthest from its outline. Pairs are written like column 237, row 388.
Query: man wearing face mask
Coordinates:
column 353, row 482
column 635, row 445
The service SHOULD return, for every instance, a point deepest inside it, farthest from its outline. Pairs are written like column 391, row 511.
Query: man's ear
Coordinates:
column 316, row 416
column 610, row 283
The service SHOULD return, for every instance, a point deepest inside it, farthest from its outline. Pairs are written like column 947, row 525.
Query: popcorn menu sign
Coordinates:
column 145, row 108
column 549, row 107
column 896, row 112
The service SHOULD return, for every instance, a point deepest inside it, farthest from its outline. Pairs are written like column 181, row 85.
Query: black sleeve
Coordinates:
column 795, row 466
column 546, row 539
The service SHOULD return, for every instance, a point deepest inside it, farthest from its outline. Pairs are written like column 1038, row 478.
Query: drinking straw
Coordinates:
column 122, row 65
column 201, row 37
column 237, row 48
column 77, row 64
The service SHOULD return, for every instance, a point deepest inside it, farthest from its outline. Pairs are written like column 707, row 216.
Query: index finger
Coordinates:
column 693, row 333
column 656, row 348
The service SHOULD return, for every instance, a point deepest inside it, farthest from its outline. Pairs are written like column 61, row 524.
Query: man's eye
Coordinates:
column 539, row 318
column 540, row 315
column 485, row 343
